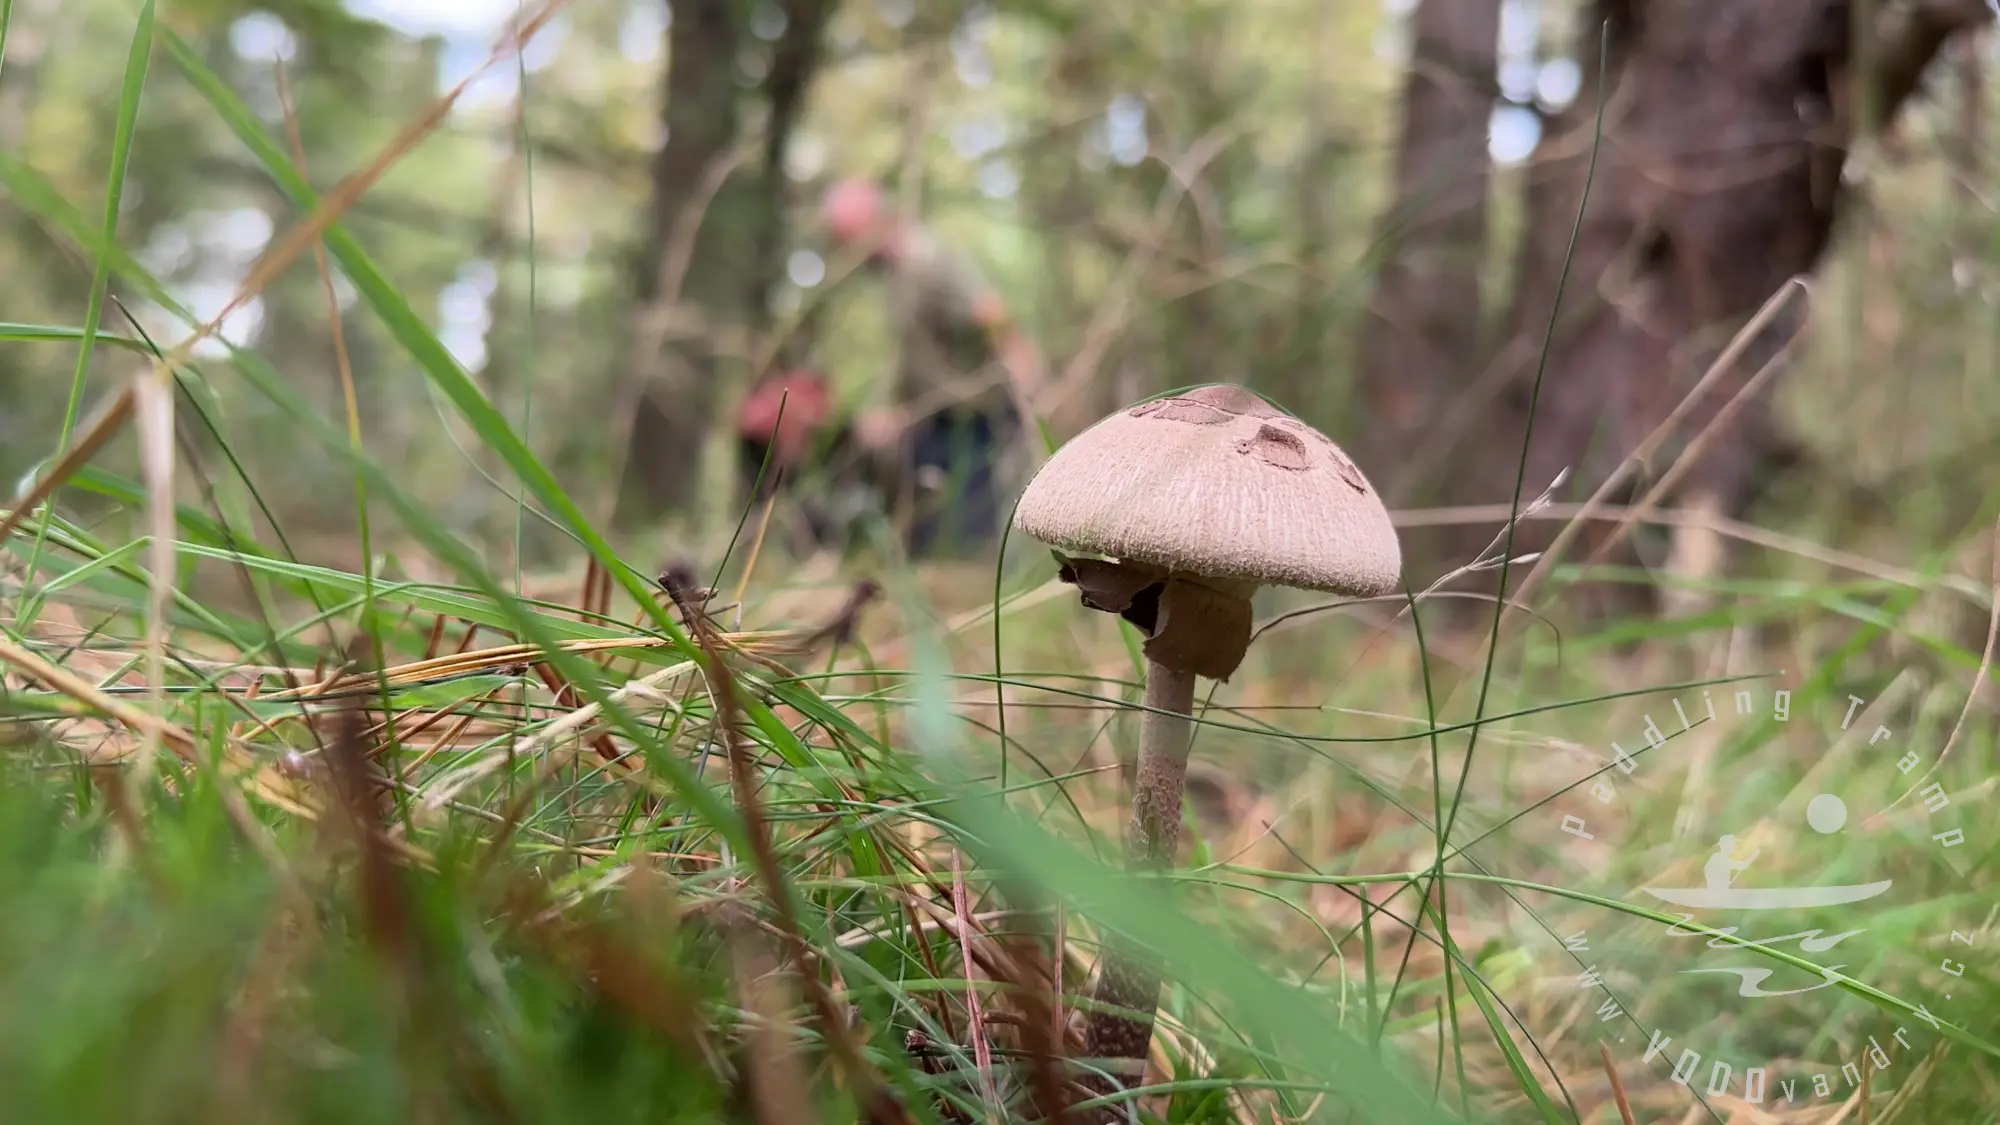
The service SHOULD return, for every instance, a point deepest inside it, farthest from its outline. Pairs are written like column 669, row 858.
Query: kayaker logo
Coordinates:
column 1698, row 950
column 1826, row 814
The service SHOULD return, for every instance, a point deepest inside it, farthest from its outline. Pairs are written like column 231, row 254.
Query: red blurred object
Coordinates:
column 856, row 213
column 853, row 210
column 786, row 412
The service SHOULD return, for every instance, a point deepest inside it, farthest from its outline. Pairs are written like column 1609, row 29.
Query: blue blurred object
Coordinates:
column 953, row 455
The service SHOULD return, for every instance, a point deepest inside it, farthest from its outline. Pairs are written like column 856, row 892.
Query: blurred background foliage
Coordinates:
column 1165, row 194
column 1040, row 134
column 1052, row 141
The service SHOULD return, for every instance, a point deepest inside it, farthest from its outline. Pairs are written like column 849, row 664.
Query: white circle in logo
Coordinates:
column 1826, row 813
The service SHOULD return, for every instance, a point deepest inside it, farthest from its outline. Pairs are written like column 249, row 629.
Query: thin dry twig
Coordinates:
column 1690, row 456
column 1735, row 529
column 1723, row 364
column 1617, row 1086
column 1114, row 312
column 975, row 1014
column 1979, row 681
column 103, row 425
column 879, row 1104
column 153, row 409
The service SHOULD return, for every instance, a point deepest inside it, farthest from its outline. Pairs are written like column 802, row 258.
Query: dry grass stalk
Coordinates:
column 1617, row 1087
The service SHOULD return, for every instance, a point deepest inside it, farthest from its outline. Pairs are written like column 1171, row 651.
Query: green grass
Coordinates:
column 428, row 896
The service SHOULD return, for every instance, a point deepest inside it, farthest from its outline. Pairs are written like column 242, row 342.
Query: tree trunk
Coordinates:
column 1726, row 129
column 700, row 118
column 795, row 60
column 736, row 224
column 1422, row 336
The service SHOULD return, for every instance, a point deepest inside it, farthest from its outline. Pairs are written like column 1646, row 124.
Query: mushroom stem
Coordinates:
column 1165, row 734
column 1128, row 976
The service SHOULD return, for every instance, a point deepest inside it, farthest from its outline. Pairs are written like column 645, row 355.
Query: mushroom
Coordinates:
column 1194, row 501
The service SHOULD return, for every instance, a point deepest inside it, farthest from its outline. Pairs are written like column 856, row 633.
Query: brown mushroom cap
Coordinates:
column 1221, row 484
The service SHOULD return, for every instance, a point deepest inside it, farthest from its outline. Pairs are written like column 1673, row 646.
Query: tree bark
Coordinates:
column 1423, row 332
column 736, row 224
column 700, row 118
column 795, row 61
column 1726, row 130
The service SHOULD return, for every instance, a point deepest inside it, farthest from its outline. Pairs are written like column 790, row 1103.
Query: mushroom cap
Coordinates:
column 1217, row 483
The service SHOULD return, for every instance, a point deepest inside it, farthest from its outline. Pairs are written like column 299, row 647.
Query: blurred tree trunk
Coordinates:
column 1423, row 334
column 1727, row 126
column 795, row 61
column 700, row 120
column 713, row 248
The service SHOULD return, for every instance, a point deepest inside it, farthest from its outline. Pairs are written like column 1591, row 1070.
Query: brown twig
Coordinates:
column 1734, row 529
column 879, row 1103
column 102, row 427
column 1723, row 364
column 1038, row 989
column 1617, row 1086
column 1114, row 313
column 1979, row 680
column 975, row 1015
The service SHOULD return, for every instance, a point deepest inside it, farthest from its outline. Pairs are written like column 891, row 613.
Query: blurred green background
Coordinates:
column 1366, row 211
